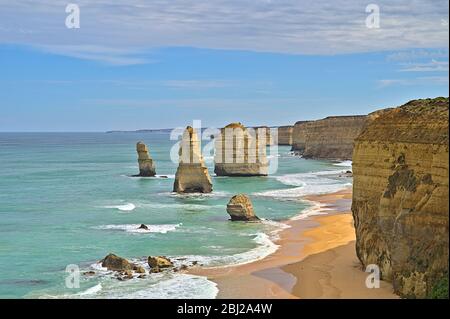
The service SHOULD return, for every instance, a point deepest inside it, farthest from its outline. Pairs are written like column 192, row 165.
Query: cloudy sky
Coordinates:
column 163, row 63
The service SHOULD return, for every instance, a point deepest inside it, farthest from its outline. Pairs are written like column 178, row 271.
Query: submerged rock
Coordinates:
column 143, row 226
column 159, row 262
column 146, row 166
column 138, row 269
column 240, row 208
column 192, row 174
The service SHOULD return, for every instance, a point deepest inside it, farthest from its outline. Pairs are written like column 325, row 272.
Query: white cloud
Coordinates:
column 283, row 26
column 432, row 66
column 435, row 80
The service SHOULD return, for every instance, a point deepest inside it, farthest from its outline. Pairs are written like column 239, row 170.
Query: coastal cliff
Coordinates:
column 299, row 137
column 239, row 153
column 285, row 135
column 400, row 195
column 328, row 138
column 192, row 174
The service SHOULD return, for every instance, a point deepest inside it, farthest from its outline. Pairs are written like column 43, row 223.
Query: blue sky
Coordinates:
column 147, row 64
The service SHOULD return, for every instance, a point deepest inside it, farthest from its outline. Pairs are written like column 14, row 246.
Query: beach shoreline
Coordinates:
column 316, row 258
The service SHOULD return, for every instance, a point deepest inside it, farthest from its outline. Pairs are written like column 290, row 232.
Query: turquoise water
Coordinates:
column 67, row 198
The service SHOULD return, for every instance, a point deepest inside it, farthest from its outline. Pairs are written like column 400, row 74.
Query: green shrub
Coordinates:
column 440, row 290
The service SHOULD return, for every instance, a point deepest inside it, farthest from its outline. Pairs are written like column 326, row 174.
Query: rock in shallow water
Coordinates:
column 116, row 263
column 192, row 175
column 240, row 208
column 146, row 165
column 159, row 262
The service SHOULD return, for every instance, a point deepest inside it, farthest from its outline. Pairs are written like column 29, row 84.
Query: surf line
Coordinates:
column 184, row 309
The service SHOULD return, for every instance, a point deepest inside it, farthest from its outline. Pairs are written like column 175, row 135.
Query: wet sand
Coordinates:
column 316, row 259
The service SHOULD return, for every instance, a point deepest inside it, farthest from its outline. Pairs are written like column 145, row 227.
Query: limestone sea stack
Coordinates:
column 266, row 129
column 400, row 195
column 240, row 152
column 192, row 174
column 240, row 208
column 328, row 138
column 285, row 135
column 146, row 166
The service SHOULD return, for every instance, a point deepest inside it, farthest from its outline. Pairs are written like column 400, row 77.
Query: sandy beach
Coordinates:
column 316, row 259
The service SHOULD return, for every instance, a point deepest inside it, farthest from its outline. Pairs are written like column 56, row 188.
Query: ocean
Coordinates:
column 69, row 199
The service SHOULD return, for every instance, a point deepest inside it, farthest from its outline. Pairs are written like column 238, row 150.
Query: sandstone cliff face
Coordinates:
column 285, row 135
column 328, row 138
column 299, row 137
column 192, row 174
column 240, row 152
column 400, row 195
column 146, row 166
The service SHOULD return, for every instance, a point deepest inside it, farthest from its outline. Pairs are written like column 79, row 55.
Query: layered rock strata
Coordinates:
column 192, row 175
column 400, row 195
column 240, row 152
column 268, row 132
column 285, row 135
column 328, row 138
column 240, row 208
column 299, row 137
column 146, row 165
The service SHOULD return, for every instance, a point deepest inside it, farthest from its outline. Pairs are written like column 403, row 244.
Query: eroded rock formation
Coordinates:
column 240, row 208
column 116, row 263
column 192, row 174
column 266, row 129
column 400, row 195
column 285, row 135
column 240, row 152
column 328, row 138
column 146, row 166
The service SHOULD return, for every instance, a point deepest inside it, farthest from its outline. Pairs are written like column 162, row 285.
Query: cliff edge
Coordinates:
column 400, row 195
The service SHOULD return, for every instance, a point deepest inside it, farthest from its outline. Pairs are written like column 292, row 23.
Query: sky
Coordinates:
column 164, row 63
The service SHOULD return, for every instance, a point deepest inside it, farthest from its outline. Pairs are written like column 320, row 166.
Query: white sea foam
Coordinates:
column 192, row 207
column 323, row 182
column 134, row 228
column 316, row 208
column 216, row 194
column 91, row 291
column 344, row 163
column 128, row 207
column 265, row 247
column 180, row 286
column 161, row 176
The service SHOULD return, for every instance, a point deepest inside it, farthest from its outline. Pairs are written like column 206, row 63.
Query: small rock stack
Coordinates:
column 192, row 174
column 240, row 208
column 146, row 166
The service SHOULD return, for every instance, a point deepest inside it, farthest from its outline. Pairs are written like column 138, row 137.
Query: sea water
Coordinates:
column 69, row 199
